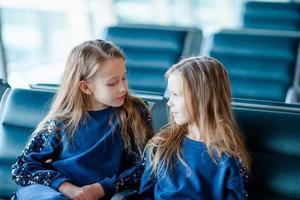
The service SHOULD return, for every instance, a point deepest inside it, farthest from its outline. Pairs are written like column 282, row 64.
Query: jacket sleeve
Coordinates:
column 129, row 178
column 33, row 165
column 236, row 188
column 137, row 177
column 146, row 189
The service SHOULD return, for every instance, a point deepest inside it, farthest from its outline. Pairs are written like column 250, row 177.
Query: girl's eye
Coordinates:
column 111, row 84
column 172, row 94
column 124, row 78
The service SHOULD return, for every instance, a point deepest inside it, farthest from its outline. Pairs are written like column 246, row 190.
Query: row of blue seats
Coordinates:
column 271, row 131
column 283, row 15
column 262, row 64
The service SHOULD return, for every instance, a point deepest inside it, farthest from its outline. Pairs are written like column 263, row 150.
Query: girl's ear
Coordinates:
column 85, row 88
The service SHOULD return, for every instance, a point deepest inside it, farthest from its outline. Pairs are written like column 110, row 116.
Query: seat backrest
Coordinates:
column 273, row 137
column 151, row 50
column 261, row 64
column 20, row 112
column 159, row 109
column 272, row 15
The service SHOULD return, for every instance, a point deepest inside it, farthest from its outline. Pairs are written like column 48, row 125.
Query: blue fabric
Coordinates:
column 34, row 192
column 96, row 154
column 90, row 157
column 208, row 180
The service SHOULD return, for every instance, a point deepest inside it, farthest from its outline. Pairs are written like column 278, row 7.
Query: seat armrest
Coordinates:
column 293, row 95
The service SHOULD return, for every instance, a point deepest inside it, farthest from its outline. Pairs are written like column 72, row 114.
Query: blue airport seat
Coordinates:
column 272, row 15
column 261, row 64
column 272, row 135
column 20, row 112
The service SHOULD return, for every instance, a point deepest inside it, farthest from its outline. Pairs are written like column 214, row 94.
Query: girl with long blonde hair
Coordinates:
column 201, row 155
column 93, row 135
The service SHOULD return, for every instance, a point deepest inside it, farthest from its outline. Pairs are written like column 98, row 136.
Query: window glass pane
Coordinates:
column 38, row 38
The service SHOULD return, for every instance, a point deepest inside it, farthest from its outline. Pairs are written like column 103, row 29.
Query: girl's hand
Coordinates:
column 69, row 190
column 87, row 192
column 92, row 192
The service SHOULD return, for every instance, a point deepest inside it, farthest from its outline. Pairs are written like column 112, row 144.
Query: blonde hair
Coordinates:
column 70, row 104
column 208, row 100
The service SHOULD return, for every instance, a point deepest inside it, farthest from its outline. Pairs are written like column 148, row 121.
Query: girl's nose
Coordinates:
column 122, row 86
column 169, row 103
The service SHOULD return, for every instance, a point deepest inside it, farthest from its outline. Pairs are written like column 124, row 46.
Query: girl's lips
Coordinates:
column 121, row 98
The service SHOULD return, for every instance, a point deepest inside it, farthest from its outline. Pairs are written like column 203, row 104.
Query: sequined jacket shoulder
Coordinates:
column 24, row 174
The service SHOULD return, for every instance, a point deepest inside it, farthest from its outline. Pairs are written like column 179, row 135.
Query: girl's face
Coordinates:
column 109, row 86
column 176, row 101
